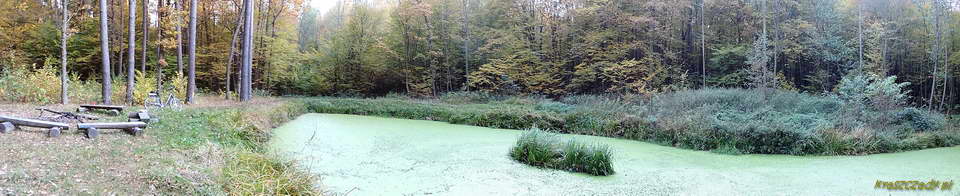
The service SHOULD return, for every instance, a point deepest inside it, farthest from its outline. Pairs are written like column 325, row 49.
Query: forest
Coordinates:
column 531, row 47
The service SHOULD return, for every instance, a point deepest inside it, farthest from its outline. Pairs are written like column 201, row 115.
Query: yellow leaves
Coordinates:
column 643, row 76
column 23, row 6
column 20, row 85
column 144, row 85
column 179, row 84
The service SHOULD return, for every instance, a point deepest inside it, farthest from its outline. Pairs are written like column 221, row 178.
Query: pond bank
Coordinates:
column 372, row 155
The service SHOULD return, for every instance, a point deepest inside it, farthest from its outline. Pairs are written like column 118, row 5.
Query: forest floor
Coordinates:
column 113, row 163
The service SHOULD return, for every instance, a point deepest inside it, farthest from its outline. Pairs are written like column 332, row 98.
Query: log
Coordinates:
column 103, row 107
column 7, row 127
column 33, row 123
column 54, row 132
column 70, row 114
column 114, row 125
column 92, row 133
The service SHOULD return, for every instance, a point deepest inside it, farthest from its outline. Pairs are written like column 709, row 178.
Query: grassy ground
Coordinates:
column 211, row 148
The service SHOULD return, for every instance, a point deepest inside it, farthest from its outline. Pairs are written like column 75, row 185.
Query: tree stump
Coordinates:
column 54, row 132
column 7, row 127
column 92, row 133
column 136, row 131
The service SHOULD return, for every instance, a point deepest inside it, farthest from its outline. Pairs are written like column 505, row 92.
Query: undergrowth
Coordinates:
column 730, row 121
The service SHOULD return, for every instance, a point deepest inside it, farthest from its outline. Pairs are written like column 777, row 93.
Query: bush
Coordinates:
column 919, row 120
column 143, row 87
column 38, row 86
column 538, row 148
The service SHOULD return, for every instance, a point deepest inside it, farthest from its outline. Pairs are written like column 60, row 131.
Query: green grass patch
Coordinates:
column 242, row 166
column 542, row 149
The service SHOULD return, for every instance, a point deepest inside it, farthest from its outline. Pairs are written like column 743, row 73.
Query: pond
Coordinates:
column 363, row 155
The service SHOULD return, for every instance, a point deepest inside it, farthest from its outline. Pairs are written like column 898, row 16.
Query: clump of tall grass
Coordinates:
column 249, row 173
column 542, row 149
column 537, row 148
column 591, row 159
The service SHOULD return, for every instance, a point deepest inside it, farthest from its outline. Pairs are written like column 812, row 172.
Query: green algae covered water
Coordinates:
column 360, row 155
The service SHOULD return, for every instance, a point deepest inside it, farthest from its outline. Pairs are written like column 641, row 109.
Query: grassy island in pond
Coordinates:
column 538, row 148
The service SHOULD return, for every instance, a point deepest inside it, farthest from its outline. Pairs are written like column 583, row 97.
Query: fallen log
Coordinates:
column 33, row 123
column 92, row 129
column 112, row 125
column 70, row 114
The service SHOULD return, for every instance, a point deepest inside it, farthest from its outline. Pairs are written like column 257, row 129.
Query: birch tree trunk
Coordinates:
column 192, row 51
column 131, row 50
column 64, row 98
column 246, row 76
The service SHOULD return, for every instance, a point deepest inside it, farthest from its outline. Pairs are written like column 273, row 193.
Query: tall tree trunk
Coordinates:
column 233, row 46
column 161, row 61
column 179, row 8
column 131, row 50
column 247, row 57
column 105, row 52
column 703, row 45
column 860, row 32
column 466, row 43
column 146, row 36
column 936, row 55
column 64, row 98
column 192, row 51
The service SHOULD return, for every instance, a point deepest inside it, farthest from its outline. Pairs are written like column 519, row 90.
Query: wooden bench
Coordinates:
column 10, row 123
column 133, row 128
column 113, row 109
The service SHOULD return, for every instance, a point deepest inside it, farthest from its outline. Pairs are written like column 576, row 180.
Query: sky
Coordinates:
column 323, row 5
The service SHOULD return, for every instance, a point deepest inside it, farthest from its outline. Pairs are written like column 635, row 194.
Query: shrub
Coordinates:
column 920, row 120
column 179, row 86
column 39, row 86
column 467, row 97
column 879, row 93
column 142, row 88
column 552, row 106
